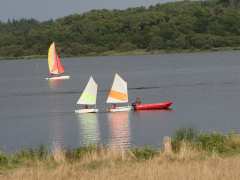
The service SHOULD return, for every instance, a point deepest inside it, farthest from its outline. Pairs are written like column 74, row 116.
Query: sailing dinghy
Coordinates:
column 118, row 94
column 55, row 66
column 88, row 98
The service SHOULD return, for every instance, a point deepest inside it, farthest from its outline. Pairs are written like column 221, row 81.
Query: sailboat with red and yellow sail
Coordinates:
column 56, row 68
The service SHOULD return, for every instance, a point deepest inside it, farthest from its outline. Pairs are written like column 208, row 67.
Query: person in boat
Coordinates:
column 114, row 106
column 137, row 102
column 52, row 75
column 86, row 106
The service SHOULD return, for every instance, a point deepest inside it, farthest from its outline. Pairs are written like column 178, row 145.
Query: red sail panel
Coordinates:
column 59, row 65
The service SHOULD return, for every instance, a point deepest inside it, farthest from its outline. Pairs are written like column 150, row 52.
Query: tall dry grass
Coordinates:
column 105, row 164
column 188, row 156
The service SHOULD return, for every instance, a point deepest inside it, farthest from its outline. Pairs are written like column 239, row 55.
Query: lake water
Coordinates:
column 205, row 89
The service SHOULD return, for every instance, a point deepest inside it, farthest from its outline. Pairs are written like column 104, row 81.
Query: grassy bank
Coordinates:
column 194, row 155
column 213, row 168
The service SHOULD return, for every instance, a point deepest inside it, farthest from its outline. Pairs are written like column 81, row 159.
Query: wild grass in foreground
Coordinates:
column 222, row 144
column 191, row 155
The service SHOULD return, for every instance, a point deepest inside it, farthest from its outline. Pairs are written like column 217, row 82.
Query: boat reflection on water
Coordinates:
column 88, row 128
column 152, row 114
column 54, row 84
column 56, row 132
column 119, row 129
column 56, row 118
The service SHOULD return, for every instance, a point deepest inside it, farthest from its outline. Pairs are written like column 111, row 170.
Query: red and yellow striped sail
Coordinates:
column 54, row 62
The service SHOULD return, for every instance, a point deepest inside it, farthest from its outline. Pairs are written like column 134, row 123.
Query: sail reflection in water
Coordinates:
column 54, row 84
column 88, row 128
column 119, row 129
column 56, row 119
column 56, row 127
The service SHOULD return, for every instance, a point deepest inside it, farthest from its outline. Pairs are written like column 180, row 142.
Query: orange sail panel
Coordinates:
column 118, row 95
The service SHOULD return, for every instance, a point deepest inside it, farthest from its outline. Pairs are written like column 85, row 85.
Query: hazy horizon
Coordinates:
column 51, row 9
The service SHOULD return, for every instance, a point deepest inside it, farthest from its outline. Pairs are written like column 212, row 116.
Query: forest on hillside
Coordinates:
column 169, row 26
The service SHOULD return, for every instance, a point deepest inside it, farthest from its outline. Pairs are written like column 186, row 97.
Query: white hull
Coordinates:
column 58, row 77
column 120, row 109
column 82, row 111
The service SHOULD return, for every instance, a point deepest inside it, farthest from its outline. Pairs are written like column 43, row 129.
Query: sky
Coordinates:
column 52, row 9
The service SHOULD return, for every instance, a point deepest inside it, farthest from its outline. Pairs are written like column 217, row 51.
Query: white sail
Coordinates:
column 89, row 95
column 118, row 92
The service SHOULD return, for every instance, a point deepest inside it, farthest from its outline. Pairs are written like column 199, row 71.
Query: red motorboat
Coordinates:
column 152, row 106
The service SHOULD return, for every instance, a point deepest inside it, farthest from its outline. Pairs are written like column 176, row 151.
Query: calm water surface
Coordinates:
column 205, row 89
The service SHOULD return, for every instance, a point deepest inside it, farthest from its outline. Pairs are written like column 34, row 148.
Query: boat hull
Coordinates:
column 120, row 109
column 153, row 106
column 83, row 111
column 58, row 77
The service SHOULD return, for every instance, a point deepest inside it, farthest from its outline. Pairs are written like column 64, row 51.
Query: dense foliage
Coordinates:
column 178, row 25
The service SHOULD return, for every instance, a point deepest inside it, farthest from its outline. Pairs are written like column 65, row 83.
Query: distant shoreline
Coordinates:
column 137, row 52
column 171, row 27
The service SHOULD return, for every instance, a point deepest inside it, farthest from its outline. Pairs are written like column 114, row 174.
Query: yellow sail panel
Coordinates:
column 52, row 57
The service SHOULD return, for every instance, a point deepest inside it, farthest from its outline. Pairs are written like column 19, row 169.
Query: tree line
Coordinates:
column 170, row 26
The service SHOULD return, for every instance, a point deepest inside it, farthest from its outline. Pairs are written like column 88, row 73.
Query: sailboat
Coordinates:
column 118, row 94
column 56, row 68
column 88, row 97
